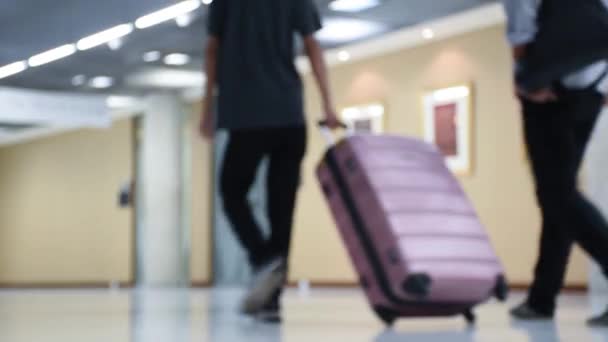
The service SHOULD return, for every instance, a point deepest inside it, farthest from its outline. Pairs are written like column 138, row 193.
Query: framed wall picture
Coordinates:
column 448, row 123
column 364, row 119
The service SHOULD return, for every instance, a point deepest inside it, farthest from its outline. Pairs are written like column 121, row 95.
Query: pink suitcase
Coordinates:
column 411, row 232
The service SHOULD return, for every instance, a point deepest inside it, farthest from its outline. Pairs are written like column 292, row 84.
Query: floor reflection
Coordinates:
column 225, row 324
column 211, row 316
column 160, row 315
column 540, row 331
column 451, row 336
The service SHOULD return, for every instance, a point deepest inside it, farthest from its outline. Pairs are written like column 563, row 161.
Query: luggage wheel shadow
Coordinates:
column 390, row 335
column 537, row 331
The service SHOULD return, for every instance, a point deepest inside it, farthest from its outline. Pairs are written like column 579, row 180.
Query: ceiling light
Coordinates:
column 343, row 56
column 104, row 37
column 79, row 80
column 12, row 69
column 115, row 44
column 353, row 5
column 340, row 30
column 184, row 20
column 166, row 14
column 428, row 33
column 177, row 59
column 207, row 2
column 52, row 55
column 151, row 56
column 101, row 82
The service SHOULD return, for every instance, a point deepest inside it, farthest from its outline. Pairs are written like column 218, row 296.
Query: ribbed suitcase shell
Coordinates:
column 412, row 234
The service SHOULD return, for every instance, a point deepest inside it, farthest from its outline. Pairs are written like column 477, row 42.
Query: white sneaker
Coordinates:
column 266, row 281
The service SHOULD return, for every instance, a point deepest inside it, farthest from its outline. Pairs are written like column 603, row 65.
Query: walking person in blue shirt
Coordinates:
column 558, row 123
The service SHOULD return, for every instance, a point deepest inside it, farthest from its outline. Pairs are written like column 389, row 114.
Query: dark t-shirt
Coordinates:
column 259, row 86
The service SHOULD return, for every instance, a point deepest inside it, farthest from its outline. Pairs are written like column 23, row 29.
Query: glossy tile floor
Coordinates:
column 209, row 315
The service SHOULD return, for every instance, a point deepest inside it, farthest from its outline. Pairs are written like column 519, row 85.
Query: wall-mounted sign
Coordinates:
column 364, row 119
column 448, row 123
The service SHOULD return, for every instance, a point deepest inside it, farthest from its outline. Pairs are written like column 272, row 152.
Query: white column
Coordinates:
column 162, row 249
column 597, row 189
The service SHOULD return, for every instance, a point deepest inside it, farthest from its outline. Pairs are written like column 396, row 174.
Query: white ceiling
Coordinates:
column 30, row 26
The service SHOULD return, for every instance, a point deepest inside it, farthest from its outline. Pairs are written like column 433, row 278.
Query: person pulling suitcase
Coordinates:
column 250, row 58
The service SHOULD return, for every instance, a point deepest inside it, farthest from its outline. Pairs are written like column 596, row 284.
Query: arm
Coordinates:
column 315, row 55
column 215, row 28
column 521, row 24
column 521, row 31
column 307, row 21
column 211, row 53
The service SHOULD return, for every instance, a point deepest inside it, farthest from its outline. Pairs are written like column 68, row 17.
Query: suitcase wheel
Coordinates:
column 418, row 285
column 470, row 317
column 501, row 292
column 387, row 316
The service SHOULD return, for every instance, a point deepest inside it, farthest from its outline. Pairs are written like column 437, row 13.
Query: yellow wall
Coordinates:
column 59, row 220
column 59, row 223
column 500, row 186
column 58, row 217
column 201, row 206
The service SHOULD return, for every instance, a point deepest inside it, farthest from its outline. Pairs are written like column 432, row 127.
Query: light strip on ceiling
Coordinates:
column 353, row 5
column 166, row 14
column 52, row 55
column 12, row 69
column 104, row 37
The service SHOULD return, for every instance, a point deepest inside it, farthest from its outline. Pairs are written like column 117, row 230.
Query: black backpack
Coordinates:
column 572, row 34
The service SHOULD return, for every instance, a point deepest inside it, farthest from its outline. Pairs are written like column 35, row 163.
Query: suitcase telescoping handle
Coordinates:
column 328, row 134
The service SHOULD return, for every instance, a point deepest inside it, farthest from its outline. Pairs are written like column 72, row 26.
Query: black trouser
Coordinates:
column 557, row 134
column 285, row 148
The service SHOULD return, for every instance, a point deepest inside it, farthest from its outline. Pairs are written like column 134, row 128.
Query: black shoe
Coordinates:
column 599, row 321
column 267, row 280
column 271, row 315
column 271, row 312
column 525, row 312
